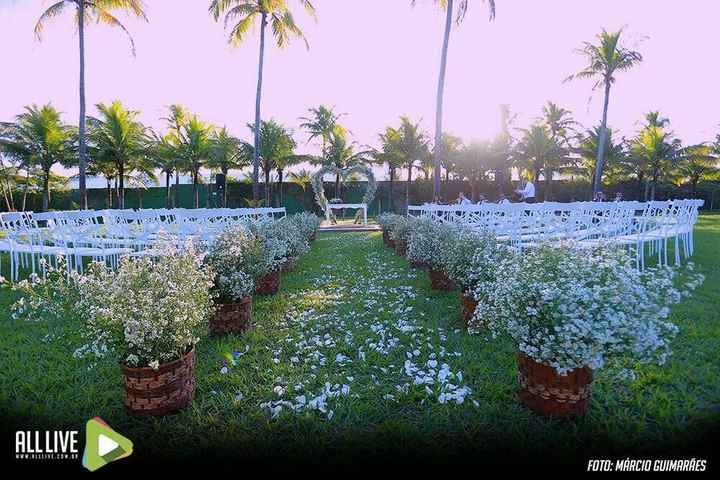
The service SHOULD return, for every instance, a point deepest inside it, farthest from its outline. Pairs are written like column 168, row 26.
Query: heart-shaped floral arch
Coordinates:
column 318, row 186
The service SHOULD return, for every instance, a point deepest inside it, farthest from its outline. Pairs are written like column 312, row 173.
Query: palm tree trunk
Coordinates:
column 280, row 186
column 548, row 184
column 167, row 189
column 597, row 184
column 109, row 193
column 46, row 190
column 25, row 192
column 337, row 186
column 195, row 189
column 407, row 186
column 390, row 193
column 267, row 188
column 258, row 95
column 437, row 155
column 81, row 128
column 224, row 171
column 121, row 186
column 176, row 199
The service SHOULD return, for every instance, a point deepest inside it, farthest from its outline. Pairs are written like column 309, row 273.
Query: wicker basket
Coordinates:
column 400, row 248
column 164, row 391
column 232, row 317
column 289, row 265
column 467, row 307
column 546, row 392
column 440, row 281
column 268, row 284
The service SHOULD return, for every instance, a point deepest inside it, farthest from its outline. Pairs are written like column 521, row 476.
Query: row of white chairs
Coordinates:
column 106, row 235
column 635, row 225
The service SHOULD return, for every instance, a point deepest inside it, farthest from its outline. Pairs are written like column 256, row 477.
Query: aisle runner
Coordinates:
column 355, row 335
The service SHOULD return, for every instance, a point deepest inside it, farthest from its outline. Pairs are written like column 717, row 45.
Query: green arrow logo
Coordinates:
column 103, row 445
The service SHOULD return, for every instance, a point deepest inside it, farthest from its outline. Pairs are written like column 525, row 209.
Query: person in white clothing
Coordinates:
column 527, row 193
column 463, row 200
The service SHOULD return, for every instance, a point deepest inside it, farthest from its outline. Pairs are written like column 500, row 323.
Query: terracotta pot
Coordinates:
column 467, row 307
column 268, row 284
column 546, row 392
column 159, row 392
column 440, row 281
column 400, row 248
column 289, row 265
column 232, row 317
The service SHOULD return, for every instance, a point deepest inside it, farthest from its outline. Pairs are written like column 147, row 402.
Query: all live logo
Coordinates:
column 47, row 445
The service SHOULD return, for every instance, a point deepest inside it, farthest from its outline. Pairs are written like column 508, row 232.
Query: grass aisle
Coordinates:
column 357, row 354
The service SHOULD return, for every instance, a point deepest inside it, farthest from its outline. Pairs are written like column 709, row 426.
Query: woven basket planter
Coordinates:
column 467, row 307
column 400, row 248
column 232, row 317
column 419, row 265
column 440, row 281
column 546, row 392
column 164, row 391
column 289, row 265
column 268, row 284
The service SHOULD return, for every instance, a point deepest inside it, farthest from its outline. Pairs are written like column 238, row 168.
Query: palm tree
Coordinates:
column 38, row 139
column 107, row 170
column 225, row 155
column 697, row 163
column 559, row 121
column 276, row 145
column 537, row 152
column 244, row 14
column 586, row 151
column 605, row 59
column 413, row 145
column 302, row 179
column 451, row 146
column 195, row 148
column 321, row 123
column 390, row 154
column 176, row 120
column 341, row 153
column 473, row 163
column 657, row 151
column 99, row 11
column 163, row 154
column 448, row 6
column 118, row 137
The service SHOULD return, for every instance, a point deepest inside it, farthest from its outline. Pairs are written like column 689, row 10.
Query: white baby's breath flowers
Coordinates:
column 570, row 307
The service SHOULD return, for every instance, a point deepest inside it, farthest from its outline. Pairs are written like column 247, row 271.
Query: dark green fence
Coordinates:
column 295, row 199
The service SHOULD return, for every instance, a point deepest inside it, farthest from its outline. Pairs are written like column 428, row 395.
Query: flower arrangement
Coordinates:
column 229, row 256
column 148, row 311
column 471, row 257
column 569, row 308
column 426, row 241
column 388, row 220
column 400, row 229
column 270, row 250
column 306, row 223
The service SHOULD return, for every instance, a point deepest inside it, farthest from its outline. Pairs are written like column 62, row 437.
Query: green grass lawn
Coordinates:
column 355, row 323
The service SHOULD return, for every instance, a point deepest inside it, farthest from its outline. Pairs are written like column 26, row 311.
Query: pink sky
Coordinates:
column 376, row 60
